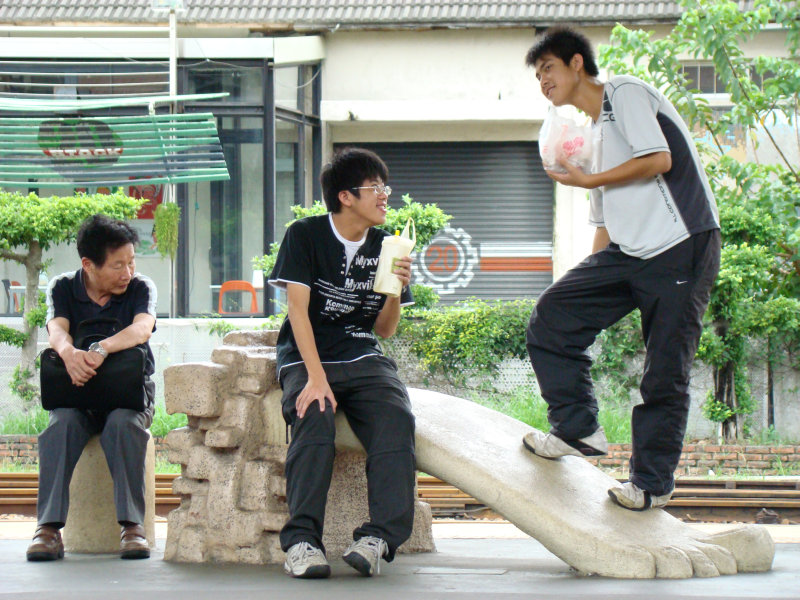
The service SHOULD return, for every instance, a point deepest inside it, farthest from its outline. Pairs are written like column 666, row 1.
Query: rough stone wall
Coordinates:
column 233, row 453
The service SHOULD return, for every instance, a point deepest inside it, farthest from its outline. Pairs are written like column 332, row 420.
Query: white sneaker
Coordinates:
column 306, row 562
column 550, row 446
column 365, row 555
column 631, row 496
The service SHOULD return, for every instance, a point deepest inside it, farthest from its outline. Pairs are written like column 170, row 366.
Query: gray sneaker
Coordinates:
column 631, row 496
column 306, row 562
column 365, row 554
column 551, row 446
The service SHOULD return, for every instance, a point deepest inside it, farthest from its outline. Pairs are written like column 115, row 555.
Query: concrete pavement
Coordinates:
column 474, row 560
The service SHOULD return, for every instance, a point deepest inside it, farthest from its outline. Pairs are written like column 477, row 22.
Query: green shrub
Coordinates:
column 425, row 297
column 470, row 337
column 163, row 422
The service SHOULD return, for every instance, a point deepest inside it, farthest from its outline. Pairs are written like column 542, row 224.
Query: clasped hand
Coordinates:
column 81, row 365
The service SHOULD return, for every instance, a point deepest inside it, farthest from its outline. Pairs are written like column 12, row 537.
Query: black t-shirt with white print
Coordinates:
column 342, row 306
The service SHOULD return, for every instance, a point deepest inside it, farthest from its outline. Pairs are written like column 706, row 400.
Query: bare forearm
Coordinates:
column 389, row 317
column 304, row 337
column 631, row 170
column 59, row 339
column 636, row 168
column 134, row 334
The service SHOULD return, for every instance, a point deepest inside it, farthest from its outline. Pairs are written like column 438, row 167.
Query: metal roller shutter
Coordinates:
column 499, row 242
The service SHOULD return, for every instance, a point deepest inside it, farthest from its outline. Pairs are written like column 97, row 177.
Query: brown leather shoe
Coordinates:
column 46, row 544
column 133, row 543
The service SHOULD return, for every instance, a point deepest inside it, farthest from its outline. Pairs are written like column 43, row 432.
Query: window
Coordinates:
column 704, row 78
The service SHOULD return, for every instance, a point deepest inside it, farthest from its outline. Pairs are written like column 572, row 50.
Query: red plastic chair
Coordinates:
column 16, row 298
column 235, row 285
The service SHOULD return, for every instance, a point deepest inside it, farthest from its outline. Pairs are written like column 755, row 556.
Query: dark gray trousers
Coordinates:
column 123, row 437
column 672, row 291
column 378, row 409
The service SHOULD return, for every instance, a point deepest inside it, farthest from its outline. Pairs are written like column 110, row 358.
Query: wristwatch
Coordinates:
column 96, row 347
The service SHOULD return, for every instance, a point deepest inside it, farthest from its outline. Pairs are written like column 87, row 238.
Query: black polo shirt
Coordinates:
column 343, row 306
column 67, row 298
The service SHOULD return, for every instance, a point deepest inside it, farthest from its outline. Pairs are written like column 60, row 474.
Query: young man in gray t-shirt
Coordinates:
column 656, row 248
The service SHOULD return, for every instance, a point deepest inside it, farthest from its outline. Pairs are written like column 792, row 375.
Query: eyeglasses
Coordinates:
column 378, row 189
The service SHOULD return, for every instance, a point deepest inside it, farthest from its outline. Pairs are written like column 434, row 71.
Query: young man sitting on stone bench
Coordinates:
column 105, row 286
column 328, row 357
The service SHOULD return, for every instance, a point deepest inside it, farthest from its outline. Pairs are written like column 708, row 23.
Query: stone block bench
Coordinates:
column 91, row 525
column 233, row 452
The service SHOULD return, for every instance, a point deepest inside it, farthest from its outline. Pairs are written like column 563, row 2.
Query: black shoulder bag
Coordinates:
column 119, row 382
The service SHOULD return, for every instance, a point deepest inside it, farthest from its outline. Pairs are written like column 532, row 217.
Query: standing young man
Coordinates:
column 656, row 248
column 329, row 359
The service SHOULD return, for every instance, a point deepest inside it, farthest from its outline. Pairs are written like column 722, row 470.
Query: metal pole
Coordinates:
column 173, row 91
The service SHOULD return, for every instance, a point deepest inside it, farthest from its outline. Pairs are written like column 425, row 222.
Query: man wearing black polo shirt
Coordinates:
column 105, row 286
column 329, row 358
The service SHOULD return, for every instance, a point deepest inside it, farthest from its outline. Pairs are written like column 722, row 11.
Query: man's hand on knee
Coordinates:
column 314, row 391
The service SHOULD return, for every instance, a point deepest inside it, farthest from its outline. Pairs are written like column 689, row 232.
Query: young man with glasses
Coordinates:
column 656, row 248
column 328, row 358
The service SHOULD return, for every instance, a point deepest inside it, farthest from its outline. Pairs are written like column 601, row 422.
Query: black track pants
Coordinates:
column 672, row 291
column 378, row 409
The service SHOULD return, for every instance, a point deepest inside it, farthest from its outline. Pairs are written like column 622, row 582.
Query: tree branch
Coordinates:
column 9, row 255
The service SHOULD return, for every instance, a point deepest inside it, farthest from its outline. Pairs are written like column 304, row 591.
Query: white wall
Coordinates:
column 446, row 85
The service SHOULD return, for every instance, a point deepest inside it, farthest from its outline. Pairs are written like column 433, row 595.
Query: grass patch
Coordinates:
column 32, row 422
column 11, row 466
column 35, row 421
column 523, row 404
column 164, row 466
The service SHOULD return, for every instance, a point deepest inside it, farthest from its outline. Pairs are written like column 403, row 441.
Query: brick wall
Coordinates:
column 23, row 449
column 696, row 459
column 699, row 459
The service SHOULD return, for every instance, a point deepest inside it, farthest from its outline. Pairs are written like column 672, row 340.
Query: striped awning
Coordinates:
column 51, row 151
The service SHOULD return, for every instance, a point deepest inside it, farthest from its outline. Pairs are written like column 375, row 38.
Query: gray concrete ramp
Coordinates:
column 564, row 503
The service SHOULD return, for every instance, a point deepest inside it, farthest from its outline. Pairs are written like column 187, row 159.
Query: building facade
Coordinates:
column 440, row 90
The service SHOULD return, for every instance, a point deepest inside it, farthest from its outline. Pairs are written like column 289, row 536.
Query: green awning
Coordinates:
column 69, row 105
column 53, row 151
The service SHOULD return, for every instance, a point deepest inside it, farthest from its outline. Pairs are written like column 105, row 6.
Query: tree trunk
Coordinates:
column 770, row 386
column 33, row 266
column 725, row 393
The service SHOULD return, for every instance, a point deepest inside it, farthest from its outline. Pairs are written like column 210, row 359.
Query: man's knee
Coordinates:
column 395, row 433
column 126, row 427
column 123, row 419
column 64, row 420
column 539, row 318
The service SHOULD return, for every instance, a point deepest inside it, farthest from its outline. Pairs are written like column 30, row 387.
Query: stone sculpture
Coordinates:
column 233, row 453
column 233, row 490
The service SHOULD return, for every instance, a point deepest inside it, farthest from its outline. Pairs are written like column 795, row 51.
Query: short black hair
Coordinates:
column 348, row 169
column 564, row 43
column 100, row 234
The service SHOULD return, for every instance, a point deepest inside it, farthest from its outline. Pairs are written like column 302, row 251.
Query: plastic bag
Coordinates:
column 560, row 137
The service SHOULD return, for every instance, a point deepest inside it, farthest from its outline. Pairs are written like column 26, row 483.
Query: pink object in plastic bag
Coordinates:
column 562, row 138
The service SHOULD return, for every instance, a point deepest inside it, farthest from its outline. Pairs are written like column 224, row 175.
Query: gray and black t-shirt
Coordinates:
column 649, row 216
column 343, row 307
